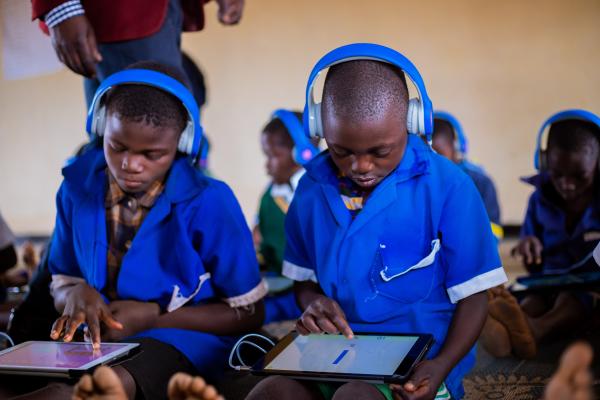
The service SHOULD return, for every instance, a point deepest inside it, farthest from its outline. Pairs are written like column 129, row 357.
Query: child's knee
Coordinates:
column 275, row 387
column 357, row 390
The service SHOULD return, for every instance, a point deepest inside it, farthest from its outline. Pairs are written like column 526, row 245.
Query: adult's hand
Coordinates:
column 75, row 45
column 230, row 11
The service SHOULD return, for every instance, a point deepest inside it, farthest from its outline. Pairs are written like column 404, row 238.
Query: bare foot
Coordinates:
column 505, row 309
column 495, row 339
column 103, row 385
column 185, row 387
column 572, row 380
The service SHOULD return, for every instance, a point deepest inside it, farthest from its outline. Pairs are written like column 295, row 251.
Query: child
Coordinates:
column 446, row 141
column 146, row 248
column 279, row 147
column 384, row 235
column 559, row 234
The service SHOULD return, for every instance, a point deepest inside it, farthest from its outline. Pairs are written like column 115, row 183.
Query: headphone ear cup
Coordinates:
column 413, row 120
column 99, row 121
column 186, row 140
column 316, row 123
column 543, row 160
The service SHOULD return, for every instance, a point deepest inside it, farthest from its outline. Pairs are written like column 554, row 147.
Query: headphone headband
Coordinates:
column 420, row 115
column 579, row 114
column 461, row 139
column 191, row 136
column 304, row 150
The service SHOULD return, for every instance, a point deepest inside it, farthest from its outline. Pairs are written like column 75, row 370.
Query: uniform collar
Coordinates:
column 87, row 176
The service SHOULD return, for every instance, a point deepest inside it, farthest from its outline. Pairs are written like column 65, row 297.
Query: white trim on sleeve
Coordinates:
column 298, row 273
column 62, row 12
column 477, row 284
column 251, row 297
column 597, row 254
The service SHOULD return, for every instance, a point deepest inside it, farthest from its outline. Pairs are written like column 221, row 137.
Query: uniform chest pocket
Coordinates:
column 404, row 274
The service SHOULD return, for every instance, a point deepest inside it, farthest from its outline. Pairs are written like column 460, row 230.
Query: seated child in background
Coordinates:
column 377, row 237
column 8, row 256
column 278, row 141
column 560, row 231
column 447, row 143
column 146, row 248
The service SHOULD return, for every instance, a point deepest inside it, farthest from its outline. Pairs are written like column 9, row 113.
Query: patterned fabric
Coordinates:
column 353, row 196
column 124, row 216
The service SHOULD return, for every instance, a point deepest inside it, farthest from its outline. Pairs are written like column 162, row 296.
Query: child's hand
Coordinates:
column 530, row 249
column 83, row 305
column 135, row 316
column 324, row 315
column 423, row 383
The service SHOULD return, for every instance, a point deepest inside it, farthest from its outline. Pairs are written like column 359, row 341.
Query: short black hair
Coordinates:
column 443, row 129
column 147, row 104
column 362, row 90
column 277, row 128
column 574, row 135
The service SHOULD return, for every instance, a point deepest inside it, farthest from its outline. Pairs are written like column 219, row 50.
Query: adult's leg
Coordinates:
column 163, row 46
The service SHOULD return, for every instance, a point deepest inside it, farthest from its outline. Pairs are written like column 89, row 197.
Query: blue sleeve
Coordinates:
column 468, row 245
column 297, row 263
column 490, row 199
column 226, row 247
column 530, row 225
column 61, row 257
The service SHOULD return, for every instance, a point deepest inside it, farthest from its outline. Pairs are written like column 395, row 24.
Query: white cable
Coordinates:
column 236, row 350
column 5, row 335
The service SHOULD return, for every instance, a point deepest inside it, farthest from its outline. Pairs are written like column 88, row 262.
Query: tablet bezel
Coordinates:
column 125, row 349
column 403, row 371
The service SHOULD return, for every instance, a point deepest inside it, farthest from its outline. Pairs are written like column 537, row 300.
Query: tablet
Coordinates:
column 553, row 282
column 59, row 359
column 376, row 358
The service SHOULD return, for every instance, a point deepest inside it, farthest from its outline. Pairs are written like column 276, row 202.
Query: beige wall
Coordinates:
column 500, row 66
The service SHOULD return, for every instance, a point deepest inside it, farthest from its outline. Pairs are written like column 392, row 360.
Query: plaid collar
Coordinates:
column 115, row 195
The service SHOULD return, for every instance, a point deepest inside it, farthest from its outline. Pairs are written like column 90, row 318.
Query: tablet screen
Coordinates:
column 365, row 354
column 57, row 354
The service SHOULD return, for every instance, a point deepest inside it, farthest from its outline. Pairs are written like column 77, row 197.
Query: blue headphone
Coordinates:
column 304, row 150
column 461, row 143
column 191, row 137
column 420, row 111
column 539, row 161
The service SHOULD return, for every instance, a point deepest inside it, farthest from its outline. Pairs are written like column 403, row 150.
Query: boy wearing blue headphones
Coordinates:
column 384, row 235
column 286, row 149
column 146, row 248
column 559, row 234
column 450, row 141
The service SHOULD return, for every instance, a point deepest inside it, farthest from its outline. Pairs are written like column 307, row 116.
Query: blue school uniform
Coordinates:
column 563, row 251
column 486, row 188
column 421, row 243
column 193, row 247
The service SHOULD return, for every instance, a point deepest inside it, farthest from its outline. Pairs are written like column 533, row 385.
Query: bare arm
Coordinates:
column 217, row 318
column 465, row 328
